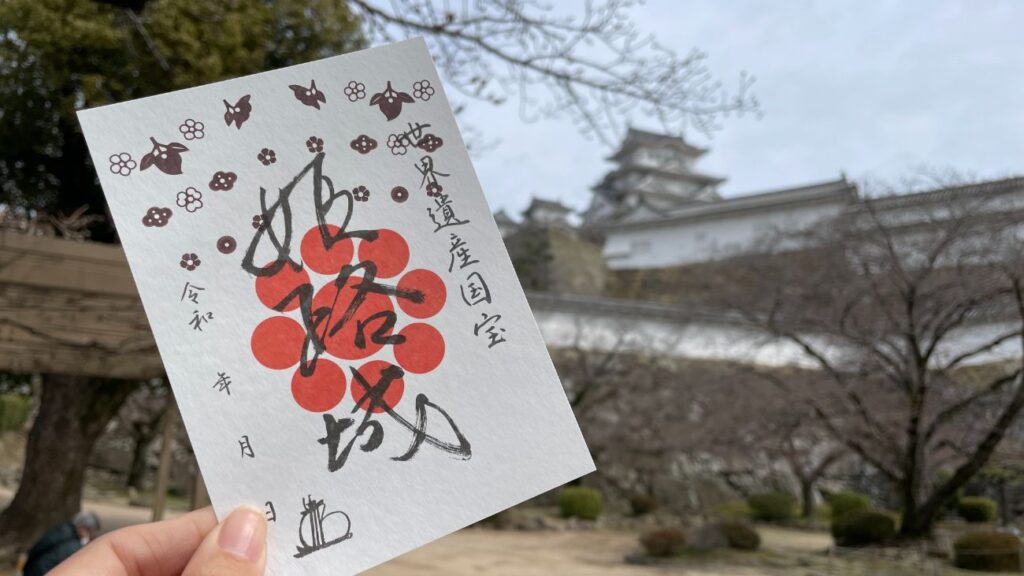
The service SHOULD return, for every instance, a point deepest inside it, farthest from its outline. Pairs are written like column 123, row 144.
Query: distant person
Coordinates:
column 190, row 545
column 60, row 542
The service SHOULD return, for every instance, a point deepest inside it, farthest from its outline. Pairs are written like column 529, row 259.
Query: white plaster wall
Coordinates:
column 687, row 242
column 726, row 341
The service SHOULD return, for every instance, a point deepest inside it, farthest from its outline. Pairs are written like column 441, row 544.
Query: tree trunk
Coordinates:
column 807, row 498
column 73, row 413
column 137, row 470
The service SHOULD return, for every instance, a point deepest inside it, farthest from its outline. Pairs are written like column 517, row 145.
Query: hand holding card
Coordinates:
column 334, row 306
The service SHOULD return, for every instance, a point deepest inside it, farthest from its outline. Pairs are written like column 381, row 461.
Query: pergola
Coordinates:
column 71, row 307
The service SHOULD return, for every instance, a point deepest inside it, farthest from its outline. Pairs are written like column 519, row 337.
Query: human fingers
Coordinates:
column 238, row 546
column 157, row 549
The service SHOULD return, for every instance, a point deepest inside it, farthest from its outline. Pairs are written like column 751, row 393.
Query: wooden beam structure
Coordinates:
column 69, row 307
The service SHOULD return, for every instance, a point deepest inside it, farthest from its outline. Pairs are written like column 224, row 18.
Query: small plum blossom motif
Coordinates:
column 314, row 144
column 355, row 91
column 257, row 222
column 399, row 194
column 192, row 129
column 422, row 90
column 390, row 101
column 309, row 96
column 190, row 199
column 430, row 143
column 239, row 112
column 226, row 244
column 360, row 194
column 223, row 180
column 190, row 261
column 267, row 156
column 363, row 144
column 157, row 217
column 397, row 144
column 166, row 157
column 434, row 189
column 122, row 163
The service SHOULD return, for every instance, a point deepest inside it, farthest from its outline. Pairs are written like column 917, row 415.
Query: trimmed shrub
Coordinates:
column 14, row 410
column 772, row 506
column 740, row 536
column 860, row 528
column 580, row 502
column 642, row 504
column 664, row 542
column 976, row 509
column 842, row 503
column 987, row 552
column 732, row 510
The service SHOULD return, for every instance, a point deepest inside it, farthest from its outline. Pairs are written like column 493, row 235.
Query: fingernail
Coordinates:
column 244, row 534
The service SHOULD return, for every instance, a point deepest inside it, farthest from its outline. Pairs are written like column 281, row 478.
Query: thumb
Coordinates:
column 238, row 546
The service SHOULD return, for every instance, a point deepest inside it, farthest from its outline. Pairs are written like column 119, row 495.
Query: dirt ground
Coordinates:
column 479, row 551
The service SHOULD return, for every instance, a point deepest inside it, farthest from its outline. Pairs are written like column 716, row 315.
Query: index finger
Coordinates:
column 158, row 549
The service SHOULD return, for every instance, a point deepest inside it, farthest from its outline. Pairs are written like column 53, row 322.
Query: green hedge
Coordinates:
column 664, row 542
column 863, row 527
column 977, row 509
column 772, row 506
column 843, row 503
column 732, row 510
column 987, row 552
column 580, row 502
column 14, row 410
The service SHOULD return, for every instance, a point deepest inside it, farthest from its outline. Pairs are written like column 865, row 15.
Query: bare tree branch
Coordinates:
column 595, row 66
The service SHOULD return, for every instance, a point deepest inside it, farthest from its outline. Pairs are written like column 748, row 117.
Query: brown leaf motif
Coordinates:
column 390, row 101
column 239, row 112
column 309, row 96
column 166, row 157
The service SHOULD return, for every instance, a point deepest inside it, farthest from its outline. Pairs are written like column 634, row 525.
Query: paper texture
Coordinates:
column 340, row 322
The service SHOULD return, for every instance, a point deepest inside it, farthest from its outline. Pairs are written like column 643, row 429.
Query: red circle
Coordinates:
column 330, row 305
column 371, row 372
column 321, row 390
column 422, row 284
column 422, row 350
column 319, row 258
column 277, row 342
column 274, row 288
column 388, row 251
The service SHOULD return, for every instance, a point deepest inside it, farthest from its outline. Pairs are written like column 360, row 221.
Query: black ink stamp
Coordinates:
column 314, row 523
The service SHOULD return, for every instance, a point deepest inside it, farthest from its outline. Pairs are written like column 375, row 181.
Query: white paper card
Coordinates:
column 340, row 322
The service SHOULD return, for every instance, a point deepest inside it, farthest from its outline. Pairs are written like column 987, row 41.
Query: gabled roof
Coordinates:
column 951, row 193
column 542, row 204
column 636, row 138
column 502, row 217
column 839, row 190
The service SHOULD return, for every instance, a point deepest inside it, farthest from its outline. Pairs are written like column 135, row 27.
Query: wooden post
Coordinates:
column 200, row 497
column 163, row 473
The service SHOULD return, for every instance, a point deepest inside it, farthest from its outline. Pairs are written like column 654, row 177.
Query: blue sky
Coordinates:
column 872, row 89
